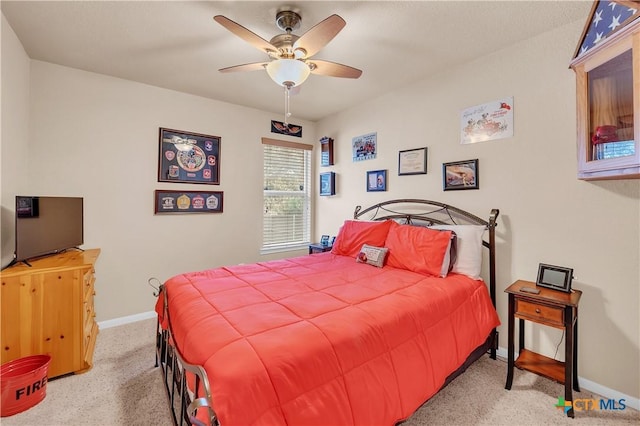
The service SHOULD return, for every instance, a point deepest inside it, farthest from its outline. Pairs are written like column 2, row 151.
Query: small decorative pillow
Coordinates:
column 372, row 255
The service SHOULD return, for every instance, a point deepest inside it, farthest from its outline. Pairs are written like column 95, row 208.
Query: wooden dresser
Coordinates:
column 48, row 309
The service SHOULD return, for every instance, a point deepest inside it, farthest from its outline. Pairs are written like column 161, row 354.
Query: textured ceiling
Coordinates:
column 177, row 45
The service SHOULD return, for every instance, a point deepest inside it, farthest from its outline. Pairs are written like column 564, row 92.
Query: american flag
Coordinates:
column 607, row 18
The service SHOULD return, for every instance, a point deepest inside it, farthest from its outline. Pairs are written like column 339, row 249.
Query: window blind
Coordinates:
column 287, row 195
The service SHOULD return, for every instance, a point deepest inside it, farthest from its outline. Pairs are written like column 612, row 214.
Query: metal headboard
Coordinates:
column 426, row 212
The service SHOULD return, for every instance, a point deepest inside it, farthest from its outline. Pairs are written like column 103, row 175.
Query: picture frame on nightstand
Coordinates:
column 554, row 277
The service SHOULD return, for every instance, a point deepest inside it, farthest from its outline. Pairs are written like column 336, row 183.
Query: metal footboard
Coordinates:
column 185, row 402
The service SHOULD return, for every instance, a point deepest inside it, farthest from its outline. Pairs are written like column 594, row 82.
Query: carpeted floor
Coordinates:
column 124, row 388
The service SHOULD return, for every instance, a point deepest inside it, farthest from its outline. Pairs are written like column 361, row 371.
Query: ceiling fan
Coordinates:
column 290, row 61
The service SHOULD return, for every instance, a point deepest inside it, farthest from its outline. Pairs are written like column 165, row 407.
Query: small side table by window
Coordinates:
column 319, row 248
column 552, row 308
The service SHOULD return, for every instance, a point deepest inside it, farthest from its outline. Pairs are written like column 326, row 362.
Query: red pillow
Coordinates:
column 417, row 249
column 355, row 233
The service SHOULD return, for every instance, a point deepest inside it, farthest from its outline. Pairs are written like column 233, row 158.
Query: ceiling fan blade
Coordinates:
column 254, row 66
column 321, row 34
column 245, row 34
column 334, row 69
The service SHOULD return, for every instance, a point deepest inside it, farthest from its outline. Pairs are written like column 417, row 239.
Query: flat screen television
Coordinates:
column 47, row 225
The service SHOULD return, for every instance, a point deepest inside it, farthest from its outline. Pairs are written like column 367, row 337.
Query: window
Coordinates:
column 286, row 220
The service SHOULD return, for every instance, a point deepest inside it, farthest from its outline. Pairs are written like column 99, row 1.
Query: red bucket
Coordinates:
column 24, row 383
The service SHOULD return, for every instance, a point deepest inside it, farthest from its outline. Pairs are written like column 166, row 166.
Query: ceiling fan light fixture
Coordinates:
column 288, row 72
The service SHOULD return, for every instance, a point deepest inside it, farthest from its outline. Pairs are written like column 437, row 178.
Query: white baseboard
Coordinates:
column 126, row 320
column 606, row 392
column 586, row 384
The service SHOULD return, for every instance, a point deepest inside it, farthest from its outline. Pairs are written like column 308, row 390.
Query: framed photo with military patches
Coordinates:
column 188, row 201
column 187, row 157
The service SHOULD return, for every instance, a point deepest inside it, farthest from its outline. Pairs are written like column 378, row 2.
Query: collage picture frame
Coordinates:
column 187, row 157
column 176, row 202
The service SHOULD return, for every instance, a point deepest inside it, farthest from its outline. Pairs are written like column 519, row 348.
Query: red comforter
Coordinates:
column 324, row 340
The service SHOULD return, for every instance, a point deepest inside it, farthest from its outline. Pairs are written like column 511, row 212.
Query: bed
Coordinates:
column 362, row 334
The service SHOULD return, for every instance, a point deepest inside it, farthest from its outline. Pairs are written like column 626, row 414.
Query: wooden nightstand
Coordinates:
column 319, row 248
column 552, row 308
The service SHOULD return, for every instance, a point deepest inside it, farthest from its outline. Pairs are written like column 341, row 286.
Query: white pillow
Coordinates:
column 469, row 240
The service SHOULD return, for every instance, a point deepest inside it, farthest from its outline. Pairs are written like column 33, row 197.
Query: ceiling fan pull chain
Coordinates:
column 287, row 112
column 286, row 106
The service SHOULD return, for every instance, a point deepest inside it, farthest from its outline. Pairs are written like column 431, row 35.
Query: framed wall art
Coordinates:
column 187, row 157
column 326, row 151
column 286, row 129
column 412, row 162
column 376, row 180
column 460, row 175
column 188, row 201
column 486, row 122
column 365, row 147
column 328, row 183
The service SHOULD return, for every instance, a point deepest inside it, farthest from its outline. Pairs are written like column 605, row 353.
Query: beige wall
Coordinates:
column 547, row 215
column 14, row 121
column 96, row 136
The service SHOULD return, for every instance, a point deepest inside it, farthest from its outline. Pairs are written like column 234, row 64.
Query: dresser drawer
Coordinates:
column 89, row 313
column 88, row 327
column 89, row 344
column 532, row 311
column 87, row 283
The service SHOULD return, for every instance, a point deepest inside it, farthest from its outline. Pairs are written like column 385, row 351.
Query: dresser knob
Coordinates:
column 537, row 310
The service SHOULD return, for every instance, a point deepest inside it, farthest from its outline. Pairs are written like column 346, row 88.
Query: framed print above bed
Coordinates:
column 412, row 162
column 460, row 175
column 376, row 180
column 365, row 147
column 187, row 157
